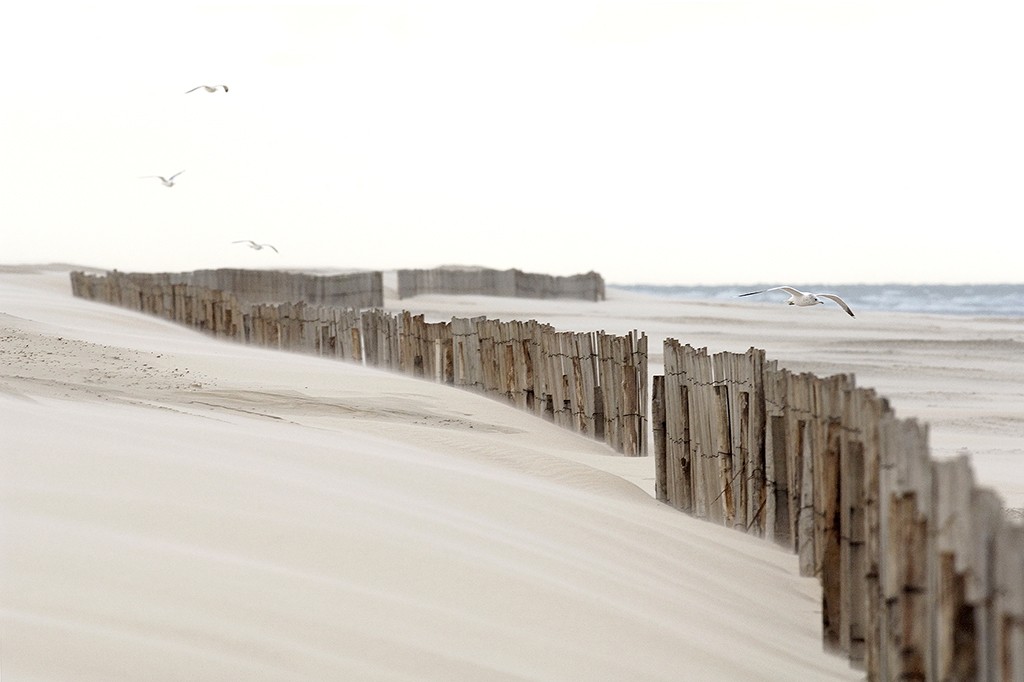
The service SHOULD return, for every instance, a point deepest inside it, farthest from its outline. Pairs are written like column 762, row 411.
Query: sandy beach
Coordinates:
column 177, row 507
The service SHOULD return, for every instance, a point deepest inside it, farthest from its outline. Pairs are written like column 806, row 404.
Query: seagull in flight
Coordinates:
column 168, row 182
column 254, row 245
column 208, row 88
column 802, row 298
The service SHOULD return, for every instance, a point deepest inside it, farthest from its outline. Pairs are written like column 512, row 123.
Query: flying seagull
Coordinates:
column 208, row 88
column 168, row 182
column 254, row 245
column 797, row 297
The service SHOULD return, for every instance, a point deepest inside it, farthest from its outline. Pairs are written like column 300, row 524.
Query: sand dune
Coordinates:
column 176, row 507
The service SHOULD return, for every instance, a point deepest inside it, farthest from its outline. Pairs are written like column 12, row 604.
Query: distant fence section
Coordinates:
column 484, row 281
column 922, row 577
column 356, row 290
column 593, row 383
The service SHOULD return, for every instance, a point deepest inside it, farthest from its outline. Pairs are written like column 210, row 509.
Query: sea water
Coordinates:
column 981, row 300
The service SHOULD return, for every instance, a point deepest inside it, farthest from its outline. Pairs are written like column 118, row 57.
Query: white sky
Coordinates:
column 830, row 141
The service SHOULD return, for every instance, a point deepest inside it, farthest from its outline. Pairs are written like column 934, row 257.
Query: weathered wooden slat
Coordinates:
column 980, row 588
column 658, row 436
column 905, row 569
column 852, row 567
column 1009, row 603
column 677, row 430
column 829, row 395
column 955, row 654
column 778, row 524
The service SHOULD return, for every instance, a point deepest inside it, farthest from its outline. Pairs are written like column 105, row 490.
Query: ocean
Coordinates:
column 978, row 300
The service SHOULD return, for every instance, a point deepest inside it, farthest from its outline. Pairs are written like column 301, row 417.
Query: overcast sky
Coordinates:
column 664, row 142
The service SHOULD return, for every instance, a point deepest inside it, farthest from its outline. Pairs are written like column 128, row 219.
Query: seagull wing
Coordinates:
column 176, row 175
column 271, row 246
column 193, row 89
column 841, row 302
column 788, row 290
column 244, row 241
column 225, row 88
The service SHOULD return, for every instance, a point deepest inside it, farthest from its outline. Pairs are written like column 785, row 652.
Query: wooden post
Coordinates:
column 658, row 425
column 755, row 429
column 852, row 557
column 956, row 652
column 804, row 490
column 724, row 455
column 828, row 398
column 599, row 416
column 1009, row 602
column 780, row 493
column 632, row 437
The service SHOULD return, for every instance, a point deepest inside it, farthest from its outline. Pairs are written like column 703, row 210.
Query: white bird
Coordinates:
column 208, row 88
column 802, row 298
column 168, row 182
column 254, row 245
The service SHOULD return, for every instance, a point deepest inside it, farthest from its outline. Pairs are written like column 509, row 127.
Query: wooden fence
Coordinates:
column 484, row 281
column 922, row 577
column 593, row 383
column 354, row 290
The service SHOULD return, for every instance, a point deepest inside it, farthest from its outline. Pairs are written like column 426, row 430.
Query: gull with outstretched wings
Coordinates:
column 802, row 298
column 254, row 245
column 168, row 182
column 208, row 88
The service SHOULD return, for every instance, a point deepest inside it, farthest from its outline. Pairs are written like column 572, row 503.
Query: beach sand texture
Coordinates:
column 177, row 507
